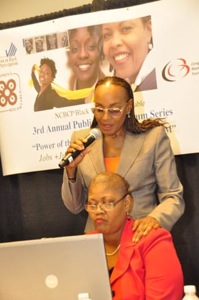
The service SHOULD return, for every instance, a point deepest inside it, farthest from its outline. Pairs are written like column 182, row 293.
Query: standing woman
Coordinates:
column 140, row 152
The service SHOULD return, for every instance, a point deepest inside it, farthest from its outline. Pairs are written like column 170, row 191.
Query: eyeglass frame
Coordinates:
column 109, row 110
column 113, row 203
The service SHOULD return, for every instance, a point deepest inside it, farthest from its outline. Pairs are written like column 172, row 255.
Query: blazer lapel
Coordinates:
column 96, row 156
column 131, row 148
column 132, row 145
column 126, row 252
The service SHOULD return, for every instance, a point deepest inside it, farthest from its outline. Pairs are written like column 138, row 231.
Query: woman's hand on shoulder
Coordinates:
column 143, row 226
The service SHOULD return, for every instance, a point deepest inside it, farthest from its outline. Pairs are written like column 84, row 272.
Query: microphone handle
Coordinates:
column 71, row 156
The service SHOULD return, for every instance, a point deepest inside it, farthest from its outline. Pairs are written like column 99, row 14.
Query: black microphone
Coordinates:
column 68, row 158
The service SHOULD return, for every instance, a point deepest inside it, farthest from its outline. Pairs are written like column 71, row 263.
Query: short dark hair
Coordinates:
column 49, row 62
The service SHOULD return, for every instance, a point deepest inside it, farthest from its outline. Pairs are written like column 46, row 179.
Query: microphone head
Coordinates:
column 96, row 133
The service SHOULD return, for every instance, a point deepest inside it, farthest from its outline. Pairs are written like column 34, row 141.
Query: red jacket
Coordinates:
column 147, row 270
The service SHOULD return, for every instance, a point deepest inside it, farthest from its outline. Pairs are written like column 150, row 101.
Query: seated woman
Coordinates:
column 147, row 270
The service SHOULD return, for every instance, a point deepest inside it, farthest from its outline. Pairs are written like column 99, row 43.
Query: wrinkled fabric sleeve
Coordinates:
column 169, row 187
column 73, row 194
column 164, row 276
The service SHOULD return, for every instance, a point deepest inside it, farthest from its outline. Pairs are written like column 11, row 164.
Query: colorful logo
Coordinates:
column 175, row 70
column 7, row 92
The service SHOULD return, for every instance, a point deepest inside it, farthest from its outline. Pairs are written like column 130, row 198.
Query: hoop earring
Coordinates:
column 128, row 115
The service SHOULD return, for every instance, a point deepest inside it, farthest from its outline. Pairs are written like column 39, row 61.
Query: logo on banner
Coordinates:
column 11, row 51
column 10, row 86
column 175, row 70
column 7, row 92
column 10, row 92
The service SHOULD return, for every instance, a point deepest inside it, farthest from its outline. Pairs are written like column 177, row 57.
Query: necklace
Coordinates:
column 112, row 253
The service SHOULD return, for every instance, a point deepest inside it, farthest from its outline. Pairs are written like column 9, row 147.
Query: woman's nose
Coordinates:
column 116, row 40
column 98, row 210
column 83, row 52
column 106, row 115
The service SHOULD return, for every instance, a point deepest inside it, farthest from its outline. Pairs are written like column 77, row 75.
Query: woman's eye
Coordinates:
column 106, row 36
column 108, row 204
column 91, row 203
column 75, row 50
column 126, row 29
column 91, row 47
column 98, row 109
column 114, row 109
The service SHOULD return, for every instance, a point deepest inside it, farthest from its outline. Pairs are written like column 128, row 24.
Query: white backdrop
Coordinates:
column 34, row 141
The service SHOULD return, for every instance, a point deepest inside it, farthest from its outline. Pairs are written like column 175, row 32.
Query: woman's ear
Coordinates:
column 128, row 202
column 130, row 105
column 149, row 30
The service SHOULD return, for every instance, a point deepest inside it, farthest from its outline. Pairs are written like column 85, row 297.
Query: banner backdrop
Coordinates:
column 35, row 127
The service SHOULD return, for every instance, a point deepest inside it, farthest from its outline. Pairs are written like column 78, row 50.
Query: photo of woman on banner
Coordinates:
column 40, row 43
column 128, row 47
column 47, row 97
column 28, row 43
column 62, row 39
column 51, row 41
column 84, row 57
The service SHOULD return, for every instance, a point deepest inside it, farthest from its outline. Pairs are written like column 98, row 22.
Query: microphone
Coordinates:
column 68, row 158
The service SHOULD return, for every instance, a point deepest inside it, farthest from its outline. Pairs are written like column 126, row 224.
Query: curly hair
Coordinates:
column 131, row 123
column 51, row 64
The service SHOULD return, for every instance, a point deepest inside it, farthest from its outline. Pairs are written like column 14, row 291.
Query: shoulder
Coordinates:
column 50, row 91
column 156, row 138
column 150, row 137
column 156, row 238
column 156, row 131
column 149, row 83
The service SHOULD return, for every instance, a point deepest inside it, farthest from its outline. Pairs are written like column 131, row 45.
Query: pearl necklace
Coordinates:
column 109, row 254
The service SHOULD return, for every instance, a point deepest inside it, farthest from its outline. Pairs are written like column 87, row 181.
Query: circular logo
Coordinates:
column 175, row 70
column 7, row 94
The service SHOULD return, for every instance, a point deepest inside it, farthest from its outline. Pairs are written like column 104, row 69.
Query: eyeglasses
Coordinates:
column 106, row 206
column 113, row 111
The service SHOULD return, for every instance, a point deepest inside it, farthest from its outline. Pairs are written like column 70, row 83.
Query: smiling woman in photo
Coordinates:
column 47, row 97
column 127, row 45
column 84, row 58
